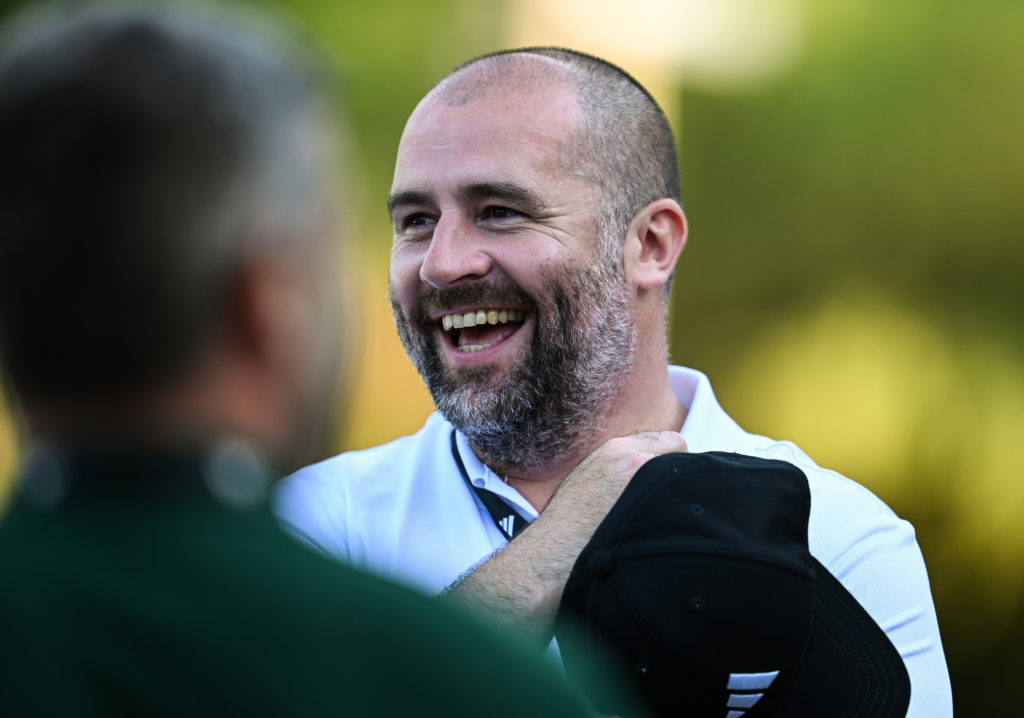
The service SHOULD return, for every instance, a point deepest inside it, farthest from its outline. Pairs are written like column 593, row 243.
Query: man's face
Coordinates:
column 516, row 315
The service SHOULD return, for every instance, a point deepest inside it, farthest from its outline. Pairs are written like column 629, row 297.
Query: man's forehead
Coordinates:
column 529, row 114
column 451, row 148
column 507, row 83
column 511, row 72
column 502, row 131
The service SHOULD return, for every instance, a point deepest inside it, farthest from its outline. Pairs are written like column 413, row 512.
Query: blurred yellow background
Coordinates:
column 852, row 173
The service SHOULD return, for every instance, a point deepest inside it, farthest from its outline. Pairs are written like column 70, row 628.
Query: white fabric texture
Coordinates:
column 403, row 510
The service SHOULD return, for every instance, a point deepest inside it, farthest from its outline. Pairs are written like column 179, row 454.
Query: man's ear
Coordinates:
column 263, row 305
column 656, row 237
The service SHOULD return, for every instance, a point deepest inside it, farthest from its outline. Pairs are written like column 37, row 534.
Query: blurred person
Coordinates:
column 537, row 223
column 169, row 334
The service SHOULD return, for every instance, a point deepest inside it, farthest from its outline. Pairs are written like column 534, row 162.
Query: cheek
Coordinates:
column 404, row 274
column 405, row 288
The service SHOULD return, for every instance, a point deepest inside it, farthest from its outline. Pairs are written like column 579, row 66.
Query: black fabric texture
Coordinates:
column 701, row 571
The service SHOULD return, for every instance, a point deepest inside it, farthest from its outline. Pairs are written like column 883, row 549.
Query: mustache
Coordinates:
column 436, row 300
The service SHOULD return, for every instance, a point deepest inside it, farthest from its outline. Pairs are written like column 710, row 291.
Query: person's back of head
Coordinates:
column 148, row 153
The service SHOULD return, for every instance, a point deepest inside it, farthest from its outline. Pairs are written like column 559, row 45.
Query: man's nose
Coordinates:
column 455, row 253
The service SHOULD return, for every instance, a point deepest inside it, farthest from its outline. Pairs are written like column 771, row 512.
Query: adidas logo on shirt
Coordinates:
column 508, row 524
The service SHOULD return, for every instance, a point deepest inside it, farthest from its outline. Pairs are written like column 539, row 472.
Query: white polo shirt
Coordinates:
column 403, row 510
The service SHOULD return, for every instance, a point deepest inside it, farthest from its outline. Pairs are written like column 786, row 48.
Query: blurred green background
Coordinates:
column 852, row 173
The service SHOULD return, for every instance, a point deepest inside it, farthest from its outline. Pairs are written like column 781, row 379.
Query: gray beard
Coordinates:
column 572, row 371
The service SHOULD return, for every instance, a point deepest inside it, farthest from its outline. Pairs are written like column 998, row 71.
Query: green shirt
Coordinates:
column 128, row 588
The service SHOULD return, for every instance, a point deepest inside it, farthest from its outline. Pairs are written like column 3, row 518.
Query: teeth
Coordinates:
column 470, row 348
column 481, row 316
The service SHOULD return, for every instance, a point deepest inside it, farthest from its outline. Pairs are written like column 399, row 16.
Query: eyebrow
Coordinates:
column 510, row 192
column 505, row 191
column 402, row 199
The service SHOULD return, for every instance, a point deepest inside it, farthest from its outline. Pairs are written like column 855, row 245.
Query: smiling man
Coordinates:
column 537, row 224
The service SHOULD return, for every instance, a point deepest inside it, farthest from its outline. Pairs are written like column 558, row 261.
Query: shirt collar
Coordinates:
column 481, row 476
column 707, row 426
column 229, row 469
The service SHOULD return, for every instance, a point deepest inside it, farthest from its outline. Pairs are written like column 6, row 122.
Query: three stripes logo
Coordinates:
column 745, row 690
column 508, row 524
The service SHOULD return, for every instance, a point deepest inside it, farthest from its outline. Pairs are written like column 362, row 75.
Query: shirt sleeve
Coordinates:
column 312, row 508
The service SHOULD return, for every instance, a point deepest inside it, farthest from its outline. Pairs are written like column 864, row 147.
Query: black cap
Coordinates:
column 700, row 585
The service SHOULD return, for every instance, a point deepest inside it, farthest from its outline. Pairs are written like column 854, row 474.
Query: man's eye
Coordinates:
column 500, row 213
column 414, row 220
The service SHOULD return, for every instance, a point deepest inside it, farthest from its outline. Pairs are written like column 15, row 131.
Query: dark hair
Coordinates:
column 138, row 145
column 625, row 145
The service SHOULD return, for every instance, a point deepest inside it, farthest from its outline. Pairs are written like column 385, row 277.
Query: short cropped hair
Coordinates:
column 625, row 144
column 138, row 145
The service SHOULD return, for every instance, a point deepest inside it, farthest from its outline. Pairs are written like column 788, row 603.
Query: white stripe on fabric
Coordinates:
column 750, row 681
column 743, row 700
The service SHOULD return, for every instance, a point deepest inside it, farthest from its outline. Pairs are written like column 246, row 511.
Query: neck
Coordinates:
column 188, row 415
column 632, row 411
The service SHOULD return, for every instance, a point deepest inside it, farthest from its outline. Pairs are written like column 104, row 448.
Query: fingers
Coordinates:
column 622, row 456
column 648, row 442
column 596, row 483
column 661, row 442
column 644, row 446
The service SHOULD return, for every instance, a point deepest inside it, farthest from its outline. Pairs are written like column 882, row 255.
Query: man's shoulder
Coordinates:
column 365, row 492
column 829, row 488
column 333, row 605
column 843, row 512
column 849, row 528
column 340, row 628
column 377, row 463
column 710, row 428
